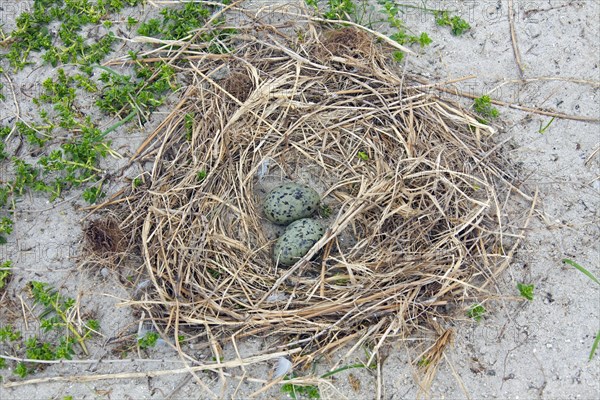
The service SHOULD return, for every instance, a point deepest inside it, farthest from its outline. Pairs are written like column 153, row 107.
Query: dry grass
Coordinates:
column 415, row 227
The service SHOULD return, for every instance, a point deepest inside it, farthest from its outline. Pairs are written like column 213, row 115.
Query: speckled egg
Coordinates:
column 296, row 241
column 290, row 202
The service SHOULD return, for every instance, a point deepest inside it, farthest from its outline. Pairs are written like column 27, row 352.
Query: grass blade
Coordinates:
column 335, row 371
column 595, row 346
column 583, row 270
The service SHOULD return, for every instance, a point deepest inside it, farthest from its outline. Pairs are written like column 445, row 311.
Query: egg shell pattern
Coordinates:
column 299, row 237
column 290, row 202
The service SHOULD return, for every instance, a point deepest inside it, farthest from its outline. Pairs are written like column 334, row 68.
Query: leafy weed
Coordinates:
column 476, row 312
column 483, row 106
column 526, row 291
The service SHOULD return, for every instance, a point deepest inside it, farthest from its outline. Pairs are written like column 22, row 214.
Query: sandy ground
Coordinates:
column 520, row 349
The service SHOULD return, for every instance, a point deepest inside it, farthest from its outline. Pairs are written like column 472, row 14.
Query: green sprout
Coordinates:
column 456, row 23
column 298, row 391
column 137, row 182
column 21, row 370
column 476, row 312
column 325, row 210
column 526, row 290
column 148, row 340
column 483, row 106
column 201, row 175
column 5, row 273
column 544, row 128
column 93, row 194
column 338, row 9
column 423, row 362
column 6, row 228
column 398, row 56
column 9, row 334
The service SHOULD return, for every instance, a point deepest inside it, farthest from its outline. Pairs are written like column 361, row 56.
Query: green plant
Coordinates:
column 137, row 182
column 312, row 391
column 177, row 23
column 483, row 106
column 363, row 155
column 296, row 391
column 594, row 346
column 526, row 290
column 476, row 312
column 5, row 273
column 189, row 122
column 544, row 128
column 398, row 56
column 35, row 349
column 423, row 362
column 39, row 350
column 6, row 228
column 325, row 210
column 57, row 316
column 593, row 279
column 340, row 9
column 63, row 43
column 26, row 175
column 342, row 369
column 390, row 9
column 8, row 334
column 148, row 340
column 93, row 194
column 21, row 370
column 581, row 269
column 201, row 175
column 131, row 22
column 457, row 24
column 36, row 135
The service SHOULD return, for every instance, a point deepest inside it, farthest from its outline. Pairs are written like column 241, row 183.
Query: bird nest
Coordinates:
column 411, row 184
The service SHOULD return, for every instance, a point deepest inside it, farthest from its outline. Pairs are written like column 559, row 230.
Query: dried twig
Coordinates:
column 513, row 37
column 152, row 373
